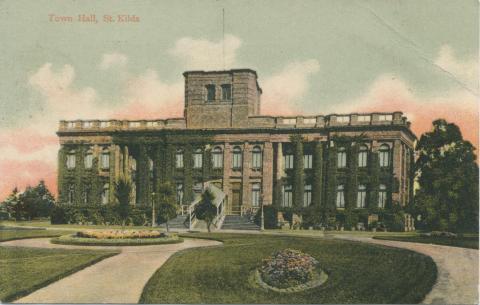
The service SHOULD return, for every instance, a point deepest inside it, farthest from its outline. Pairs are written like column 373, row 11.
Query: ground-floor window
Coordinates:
column 71, row 193
column 179, row 193
column 256, row 188
column 361, row 196
column 307, row 195
column 340, row 200
column 105, row 193
column 382, row 195
column 287, row 196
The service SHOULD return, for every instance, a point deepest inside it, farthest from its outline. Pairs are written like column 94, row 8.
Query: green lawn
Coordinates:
column 24, row 270
column 463, row 242
column 358, row 273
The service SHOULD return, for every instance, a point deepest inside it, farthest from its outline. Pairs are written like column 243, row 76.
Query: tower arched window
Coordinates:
column 237, row 158
column 384, row 155
column 217, row 157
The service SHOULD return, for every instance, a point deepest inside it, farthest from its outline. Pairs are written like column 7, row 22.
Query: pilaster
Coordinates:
column 267, row 173
column 246, row 166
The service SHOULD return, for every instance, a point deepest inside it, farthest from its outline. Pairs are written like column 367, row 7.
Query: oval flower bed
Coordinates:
column 118, row 238
column 290, row 270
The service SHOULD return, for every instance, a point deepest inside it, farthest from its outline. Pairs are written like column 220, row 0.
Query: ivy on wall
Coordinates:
column 317, row 185
column 298, row 171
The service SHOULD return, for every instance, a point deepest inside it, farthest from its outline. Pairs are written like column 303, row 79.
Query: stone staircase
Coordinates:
column 237, row 222
column 177, row 223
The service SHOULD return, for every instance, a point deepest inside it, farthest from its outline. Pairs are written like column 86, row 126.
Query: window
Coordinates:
column 288, row 161
column 289, row 121
column 256, row 157
column 87, row 125
column 70, row 124
column 384, row 155
column 150, row 167
column 134, row 124
column 210, row 92
column 237, row 158
column 226, row 92
column 340, row 200
column 152, row 124
column 197, row 158
column 71, row 193
column 363, row 118
column 307, row 195
column 307, row 161
column 362, row 156
column 133, row 165
column 88, row 159
column 382, row 195
column 343, row 119
column 104, row 124
column 256, row 194
column 179, row 193
column 309, row 121
column 385, row 117
column 341, row 157
column 105, row 193
column 361, row 196
column 179, row 158
column 86, row 194
column 217, row 157
column 286, row 196
column 105, row 162
column 198, row 188
column 71, row 160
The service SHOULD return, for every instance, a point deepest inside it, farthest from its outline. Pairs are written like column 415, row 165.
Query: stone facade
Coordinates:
column 339, row 162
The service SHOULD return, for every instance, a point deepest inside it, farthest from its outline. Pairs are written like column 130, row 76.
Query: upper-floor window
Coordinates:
column 382, row 195
column 87, row 124
column 384, row 155
column 287, row 197
column 152, row 124
column 217, row 157
column 88, row 159
column 134, row 124
column 341, row 157
column 197, row 158
column 256, row 190
column 385, row 117
column 179, row 158
column 340, row 200
column 70, row 124
column 237, row 158
column 307, row 195
column 289, row 121
column 104, row 124
column 362, row 156
column 256, row 157
column 343, row 119
column 105, row 159
column 210, row 92
column 288, row 161
column 309, row 121
column 307, row 161
column 71, row 160
column 105, row 193
column 361, row 196
column 226, row 92
column 363, row 118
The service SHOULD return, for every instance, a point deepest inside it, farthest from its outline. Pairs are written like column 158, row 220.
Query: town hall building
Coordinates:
column 356, row 161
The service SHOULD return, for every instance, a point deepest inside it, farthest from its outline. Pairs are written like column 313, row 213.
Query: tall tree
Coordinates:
column 167, row 207
column 13, row 205
column 123, row 189
column 447, row 174
column 206, row 210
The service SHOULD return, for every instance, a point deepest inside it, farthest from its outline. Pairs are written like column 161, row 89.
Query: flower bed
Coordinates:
column 120, row 234
column 288, row 268
column 114, row 239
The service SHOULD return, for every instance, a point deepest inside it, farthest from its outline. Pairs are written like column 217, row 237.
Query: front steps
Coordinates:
column 237, row 222
column 180, row 222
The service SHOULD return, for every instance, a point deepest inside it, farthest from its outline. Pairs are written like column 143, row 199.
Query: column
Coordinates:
column 143, row 184
column 126, row 165
column 227, row 171
column 317, row 188
column 246, row 166
column 397, row 171
column 267, row 173
column 298, row 174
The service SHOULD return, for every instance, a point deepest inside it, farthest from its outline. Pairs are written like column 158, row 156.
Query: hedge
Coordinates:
column 73, row 240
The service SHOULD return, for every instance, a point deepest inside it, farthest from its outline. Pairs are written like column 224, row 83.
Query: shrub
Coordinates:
column 269, row 217
column 288, row 268
column 312, row 217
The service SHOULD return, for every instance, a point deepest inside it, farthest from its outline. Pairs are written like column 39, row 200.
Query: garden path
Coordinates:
column 457, row 279
column 118, row 279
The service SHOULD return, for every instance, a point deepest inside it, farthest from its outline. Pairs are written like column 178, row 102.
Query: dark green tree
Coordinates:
column 205, row 209
column 13, row 205
column 123, row 189
column 167, row 207
column 447, row 175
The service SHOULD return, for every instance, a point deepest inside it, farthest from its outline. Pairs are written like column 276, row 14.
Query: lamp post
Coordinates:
column 262, row 220
column 153, row 210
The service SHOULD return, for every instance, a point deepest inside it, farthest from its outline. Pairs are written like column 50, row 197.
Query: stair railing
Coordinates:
column 192, row 218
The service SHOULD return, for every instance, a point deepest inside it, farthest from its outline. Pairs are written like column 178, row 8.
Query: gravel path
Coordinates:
column 118, row 279
column 457, row 280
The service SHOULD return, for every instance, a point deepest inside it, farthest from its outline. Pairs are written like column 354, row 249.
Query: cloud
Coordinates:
column 203, row 54
column 287, row 87
column 113, row 60
column 464, row 71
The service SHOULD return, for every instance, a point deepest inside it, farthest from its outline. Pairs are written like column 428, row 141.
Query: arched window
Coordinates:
column 256, row 157
column 197, row 158
column 71, row 159
column 89, row 159
column 237, row 158
column 217, row 157
column 384, row 155
column 105, row 160
column 71, row 193
column 361, row 196
column 179, row 158
column 341, row 157
column 382, row 195
column 340, row 200
column 362, row 156
column 105, row 193
column 256, row 190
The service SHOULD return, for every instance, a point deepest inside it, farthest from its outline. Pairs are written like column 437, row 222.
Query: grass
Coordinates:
column 358, row 273
column 72, row 240
column 462, row 242
column 24, row 270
